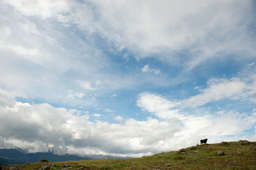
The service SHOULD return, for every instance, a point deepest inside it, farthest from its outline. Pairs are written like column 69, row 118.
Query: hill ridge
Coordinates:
column 224, row 155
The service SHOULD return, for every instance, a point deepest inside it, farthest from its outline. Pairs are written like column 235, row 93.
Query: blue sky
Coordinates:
column 126, row 78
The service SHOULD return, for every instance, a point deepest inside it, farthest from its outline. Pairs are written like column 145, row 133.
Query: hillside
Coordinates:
column 225, row 155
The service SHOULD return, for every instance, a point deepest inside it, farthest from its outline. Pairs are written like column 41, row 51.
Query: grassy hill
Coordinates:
column 225, row 155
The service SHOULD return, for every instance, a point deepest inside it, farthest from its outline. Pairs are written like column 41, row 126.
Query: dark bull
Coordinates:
column 203, row 141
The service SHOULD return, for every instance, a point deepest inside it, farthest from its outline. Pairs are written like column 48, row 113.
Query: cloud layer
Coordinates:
column 202, row 29
column 36, row 126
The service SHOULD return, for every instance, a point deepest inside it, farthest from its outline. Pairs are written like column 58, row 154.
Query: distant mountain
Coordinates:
column 18, row 156
column 4, row 161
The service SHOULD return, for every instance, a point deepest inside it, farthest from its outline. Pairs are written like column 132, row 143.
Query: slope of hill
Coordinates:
column 225, row 155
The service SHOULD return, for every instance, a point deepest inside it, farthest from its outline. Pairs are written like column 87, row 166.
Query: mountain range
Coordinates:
column 19, row 156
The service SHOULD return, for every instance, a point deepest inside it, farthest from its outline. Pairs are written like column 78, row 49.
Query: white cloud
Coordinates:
column 24, row 52
column 118, row 118
column 251, row 85
column 161, row 30
column 55, row 53
column 147, row 69
column 6, row 99
column 154, row 103
column 73, row 95
column 204, row 28
column 44, row 9
column 216, row 90
column 220, row 89
column 46, row 58
column 195, row 126
column 35, row 126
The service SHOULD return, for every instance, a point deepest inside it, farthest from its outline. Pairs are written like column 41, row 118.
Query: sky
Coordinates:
column 126, row 77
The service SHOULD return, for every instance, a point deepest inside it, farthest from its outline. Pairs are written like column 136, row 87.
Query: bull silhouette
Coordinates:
column 203, row 141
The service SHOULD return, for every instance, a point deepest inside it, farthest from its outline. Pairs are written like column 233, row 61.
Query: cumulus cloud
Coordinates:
column 201, row 125
column 36, row 126
column 220, row 89
column 217, row 89
column 154, row 103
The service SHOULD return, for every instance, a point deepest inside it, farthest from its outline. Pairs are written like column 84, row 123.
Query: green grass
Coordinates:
column 237, row 155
